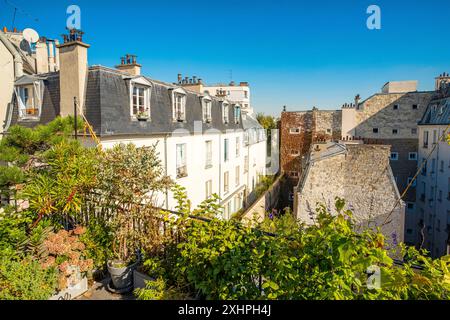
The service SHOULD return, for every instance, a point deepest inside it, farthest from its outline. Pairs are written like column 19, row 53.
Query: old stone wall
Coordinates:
column 386, row 112
column 363, row 178
column 328, row 125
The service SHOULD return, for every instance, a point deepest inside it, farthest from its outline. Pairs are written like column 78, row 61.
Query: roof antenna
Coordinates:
column 17, row 9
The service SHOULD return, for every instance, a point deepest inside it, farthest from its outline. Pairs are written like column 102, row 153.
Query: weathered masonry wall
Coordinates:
column 363, row 178
column 314, row 125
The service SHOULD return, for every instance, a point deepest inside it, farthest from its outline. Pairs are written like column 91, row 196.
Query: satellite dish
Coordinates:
column 30, row 35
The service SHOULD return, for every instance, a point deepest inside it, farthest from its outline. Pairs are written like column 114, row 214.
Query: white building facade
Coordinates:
column 431, row 227
column 206, row 144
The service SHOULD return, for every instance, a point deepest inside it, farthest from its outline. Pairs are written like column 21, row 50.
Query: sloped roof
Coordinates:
column 437, row 113
column 107, row 106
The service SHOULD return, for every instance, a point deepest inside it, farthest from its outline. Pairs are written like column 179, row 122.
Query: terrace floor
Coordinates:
column 99, row 291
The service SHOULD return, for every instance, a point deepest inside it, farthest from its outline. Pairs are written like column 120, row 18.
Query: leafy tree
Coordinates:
column 129, row 181
column 225, row 260
column 267, row 122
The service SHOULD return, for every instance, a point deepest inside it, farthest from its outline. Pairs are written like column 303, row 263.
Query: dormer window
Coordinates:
column 179, row 105
column 225, row 112
column 29, row 93
column 207, row 107
column 237, row 114
column 140, row 94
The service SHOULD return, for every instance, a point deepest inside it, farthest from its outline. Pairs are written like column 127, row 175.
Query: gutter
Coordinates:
column 18, row 62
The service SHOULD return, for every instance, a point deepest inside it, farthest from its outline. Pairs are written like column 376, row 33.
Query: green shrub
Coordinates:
column 98, row 240
column 26, row 280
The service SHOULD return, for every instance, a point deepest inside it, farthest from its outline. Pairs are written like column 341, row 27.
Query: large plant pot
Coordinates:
column 122, row 278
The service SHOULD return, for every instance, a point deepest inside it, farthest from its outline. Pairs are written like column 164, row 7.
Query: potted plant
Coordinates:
column 129, row 179
column 142, row 116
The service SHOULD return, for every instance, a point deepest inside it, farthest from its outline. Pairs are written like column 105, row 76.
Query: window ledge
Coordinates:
column 30, row 118
column 208, row 166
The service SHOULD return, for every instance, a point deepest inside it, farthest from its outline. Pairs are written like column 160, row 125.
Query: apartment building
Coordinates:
column 19, row 57
column 239, row 93
column 429, row 227
column 298, row 131
column 390, row 117
column 207, row 144
column 361, row 175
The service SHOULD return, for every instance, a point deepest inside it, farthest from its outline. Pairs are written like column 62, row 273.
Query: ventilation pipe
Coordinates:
column 18, row 62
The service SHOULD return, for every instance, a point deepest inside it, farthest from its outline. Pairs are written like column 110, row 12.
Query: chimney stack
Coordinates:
column 442, row 81
column 357, row 100
column 180, row 78
column 73, row 73
column 128, row 64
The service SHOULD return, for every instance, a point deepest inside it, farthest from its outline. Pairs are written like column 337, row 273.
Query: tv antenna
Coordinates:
column 230, row 72
column 17, row 9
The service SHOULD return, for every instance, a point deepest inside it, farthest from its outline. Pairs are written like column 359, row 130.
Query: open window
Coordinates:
column 140, row 96
column 29, row 92
column 179, row 105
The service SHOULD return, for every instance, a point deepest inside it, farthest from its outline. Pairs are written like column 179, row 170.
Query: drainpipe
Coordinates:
column 166, row 170
column 18, row 62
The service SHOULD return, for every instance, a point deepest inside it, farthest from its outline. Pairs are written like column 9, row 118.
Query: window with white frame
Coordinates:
column 237, row 114
column 140, row 94
column 238, row 147
column 227, row 210
column 412, row 156
column 226, row 150
column 208, row 148
column 294, row 130
column 225, row 112
column 226, row 182
column 295, row 152
column 208, row 189
column 179, row 105
column 238, row 176
column 246, row 164
column 394, row 156
column 29, row 99
column 181, row 161
column 207, row 107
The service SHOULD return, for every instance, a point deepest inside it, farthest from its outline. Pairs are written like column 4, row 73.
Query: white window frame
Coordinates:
column 394, row 158
column 179, row 105
column 207, row 109
column 226, row 150
column 226, row 182
column 415, row 156
column 146, row 86
column 237, row 178
column 208, row 189
column 295, row 130
column 237, row 114
column 181, row 161
column 238, row 147
column 208, row 154
column 225, row 112
column 36, row 95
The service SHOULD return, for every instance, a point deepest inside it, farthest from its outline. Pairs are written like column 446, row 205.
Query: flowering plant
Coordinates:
column 66, row 252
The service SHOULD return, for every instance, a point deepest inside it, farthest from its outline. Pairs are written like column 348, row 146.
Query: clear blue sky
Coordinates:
column 295, row 53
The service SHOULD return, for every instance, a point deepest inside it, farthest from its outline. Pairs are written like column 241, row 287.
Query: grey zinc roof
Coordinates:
column 437, row 113
column 107, row 107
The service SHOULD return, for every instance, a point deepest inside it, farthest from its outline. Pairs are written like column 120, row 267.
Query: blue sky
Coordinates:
column 295, row 53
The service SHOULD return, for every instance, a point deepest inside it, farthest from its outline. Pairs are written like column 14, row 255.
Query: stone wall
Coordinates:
column 327, row 124
column 378, row 112
column 363, row 177
column 268, row 201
